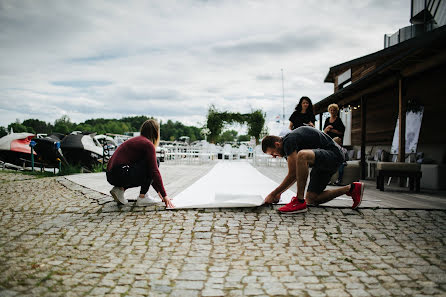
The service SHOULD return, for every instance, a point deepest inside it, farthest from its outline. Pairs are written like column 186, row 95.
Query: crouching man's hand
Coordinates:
column 271, row 198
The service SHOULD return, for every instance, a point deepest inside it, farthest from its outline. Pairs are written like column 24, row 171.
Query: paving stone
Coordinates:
column 197, row 285
column 99, row 291
column 253, row 292
column 61, row 239
column 212, row 292
column 184, row 293
column 336, row 293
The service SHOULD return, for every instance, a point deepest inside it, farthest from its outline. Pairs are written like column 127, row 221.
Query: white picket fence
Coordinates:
column 207, row 152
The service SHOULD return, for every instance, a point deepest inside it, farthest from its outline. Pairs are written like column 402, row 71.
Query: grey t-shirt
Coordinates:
column 308, row 138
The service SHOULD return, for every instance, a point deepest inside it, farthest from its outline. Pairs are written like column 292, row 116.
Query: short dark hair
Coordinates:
column 268, row 142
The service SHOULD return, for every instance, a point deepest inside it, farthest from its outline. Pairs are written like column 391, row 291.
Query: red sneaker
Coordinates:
column 356, row 194
column 294, row 206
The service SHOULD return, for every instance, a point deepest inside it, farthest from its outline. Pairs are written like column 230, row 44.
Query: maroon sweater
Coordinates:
column 136, row 149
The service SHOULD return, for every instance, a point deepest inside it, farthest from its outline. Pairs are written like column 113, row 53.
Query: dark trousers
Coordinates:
column 341, row 171
column 130, row 176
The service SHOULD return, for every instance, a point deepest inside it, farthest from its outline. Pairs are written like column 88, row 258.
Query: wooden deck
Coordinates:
column 178, row 177
column 392, row 197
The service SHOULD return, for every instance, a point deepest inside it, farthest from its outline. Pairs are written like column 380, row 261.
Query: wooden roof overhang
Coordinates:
column 414, row 56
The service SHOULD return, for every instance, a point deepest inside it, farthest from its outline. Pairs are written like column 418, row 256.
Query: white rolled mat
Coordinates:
column 229, row 184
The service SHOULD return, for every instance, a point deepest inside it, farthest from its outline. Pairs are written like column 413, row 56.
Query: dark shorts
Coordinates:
column 325, row 165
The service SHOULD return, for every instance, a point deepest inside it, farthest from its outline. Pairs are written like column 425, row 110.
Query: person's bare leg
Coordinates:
column 304, row 159
column 327, row 195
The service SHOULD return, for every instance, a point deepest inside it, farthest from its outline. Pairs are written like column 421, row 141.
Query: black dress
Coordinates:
column 299, row 119
column 337, row 125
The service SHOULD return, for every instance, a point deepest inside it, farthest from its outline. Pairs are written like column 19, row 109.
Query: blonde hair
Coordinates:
column 333, row 105
column 151, row 130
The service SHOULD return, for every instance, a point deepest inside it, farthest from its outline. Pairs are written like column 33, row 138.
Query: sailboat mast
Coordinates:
column 283, row 101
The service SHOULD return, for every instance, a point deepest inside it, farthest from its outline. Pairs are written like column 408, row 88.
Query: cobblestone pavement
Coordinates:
column 59, row 239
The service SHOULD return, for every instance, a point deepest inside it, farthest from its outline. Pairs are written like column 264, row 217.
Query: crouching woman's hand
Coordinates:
column 168, row 202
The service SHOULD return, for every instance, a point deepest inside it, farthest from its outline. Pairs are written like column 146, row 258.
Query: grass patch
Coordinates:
column 37, row 174
column 66, row 169
column 70, row 169
column 97, row 168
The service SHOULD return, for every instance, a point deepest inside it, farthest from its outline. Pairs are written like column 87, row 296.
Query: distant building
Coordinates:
column 373, row 91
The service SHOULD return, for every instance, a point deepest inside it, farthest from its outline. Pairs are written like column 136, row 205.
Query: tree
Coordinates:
column 3, row 131
column 257, row 121
column 84, row 127
column 216, row 121
column 174, row 130
column 17, row 127
column 243, row 138
column 135, row 123
column 228, row 136
column 63, row 125
column 169, row 131
column 38, row 126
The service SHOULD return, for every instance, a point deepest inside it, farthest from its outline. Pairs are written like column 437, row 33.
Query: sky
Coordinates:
column 174, row 59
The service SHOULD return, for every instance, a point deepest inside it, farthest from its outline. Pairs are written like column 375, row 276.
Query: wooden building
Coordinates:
column 379, row 86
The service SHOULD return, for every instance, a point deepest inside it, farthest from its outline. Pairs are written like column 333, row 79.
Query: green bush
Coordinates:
column 70, row 169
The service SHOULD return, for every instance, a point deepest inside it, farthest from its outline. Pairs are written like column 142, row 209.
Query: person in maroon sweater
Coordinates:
column 134, row 164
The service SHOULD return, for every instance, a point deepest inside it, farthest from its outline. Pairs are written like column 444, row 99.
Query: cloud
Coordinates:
column 173, row 59
column 96, row 58
column 291, row 42
column 265, row 77
column 81, row 83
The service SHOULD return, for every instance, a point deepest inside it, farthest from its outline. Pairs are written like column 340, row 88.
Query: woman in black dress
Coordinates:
column 333, row 125
column 303, row 114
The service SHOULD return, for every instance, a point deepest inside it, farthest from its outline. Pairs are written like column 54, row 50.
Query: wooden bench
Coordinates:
column 399, row 169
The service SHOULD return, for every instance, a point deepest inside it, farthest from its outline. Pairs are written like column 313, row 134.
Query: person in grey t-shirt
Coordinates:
column 308, row 147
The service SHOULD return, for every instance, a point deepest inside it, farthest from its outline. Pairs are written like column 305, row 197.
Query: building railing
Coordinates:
column 403, row 34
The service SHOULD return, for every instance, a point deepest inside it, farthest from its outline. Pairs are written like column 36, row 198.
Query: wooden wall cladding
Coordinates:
column 358, row 72
column 427, row 88
column 382, row 112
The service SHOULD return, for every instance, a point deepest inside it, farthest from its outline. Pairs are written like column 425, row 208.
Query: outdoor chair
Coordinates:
column 228, row 152
column 260, row 158
column 243, row 152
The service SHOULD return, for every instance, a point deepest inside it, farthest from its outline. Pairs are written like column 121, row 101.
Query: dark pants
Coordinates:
column 341, row 171
column 130, row 176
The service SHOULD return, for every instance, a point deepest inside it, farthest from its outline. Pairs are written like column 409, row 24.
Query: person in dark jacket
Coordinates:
column 303, row 114
column 333, row 125
column 134, row 164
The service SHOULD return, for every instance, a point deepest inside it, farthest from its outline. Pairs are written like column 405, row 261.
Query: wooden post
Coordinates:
column 402, row 122
column 320, row 121
column 363, row 135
